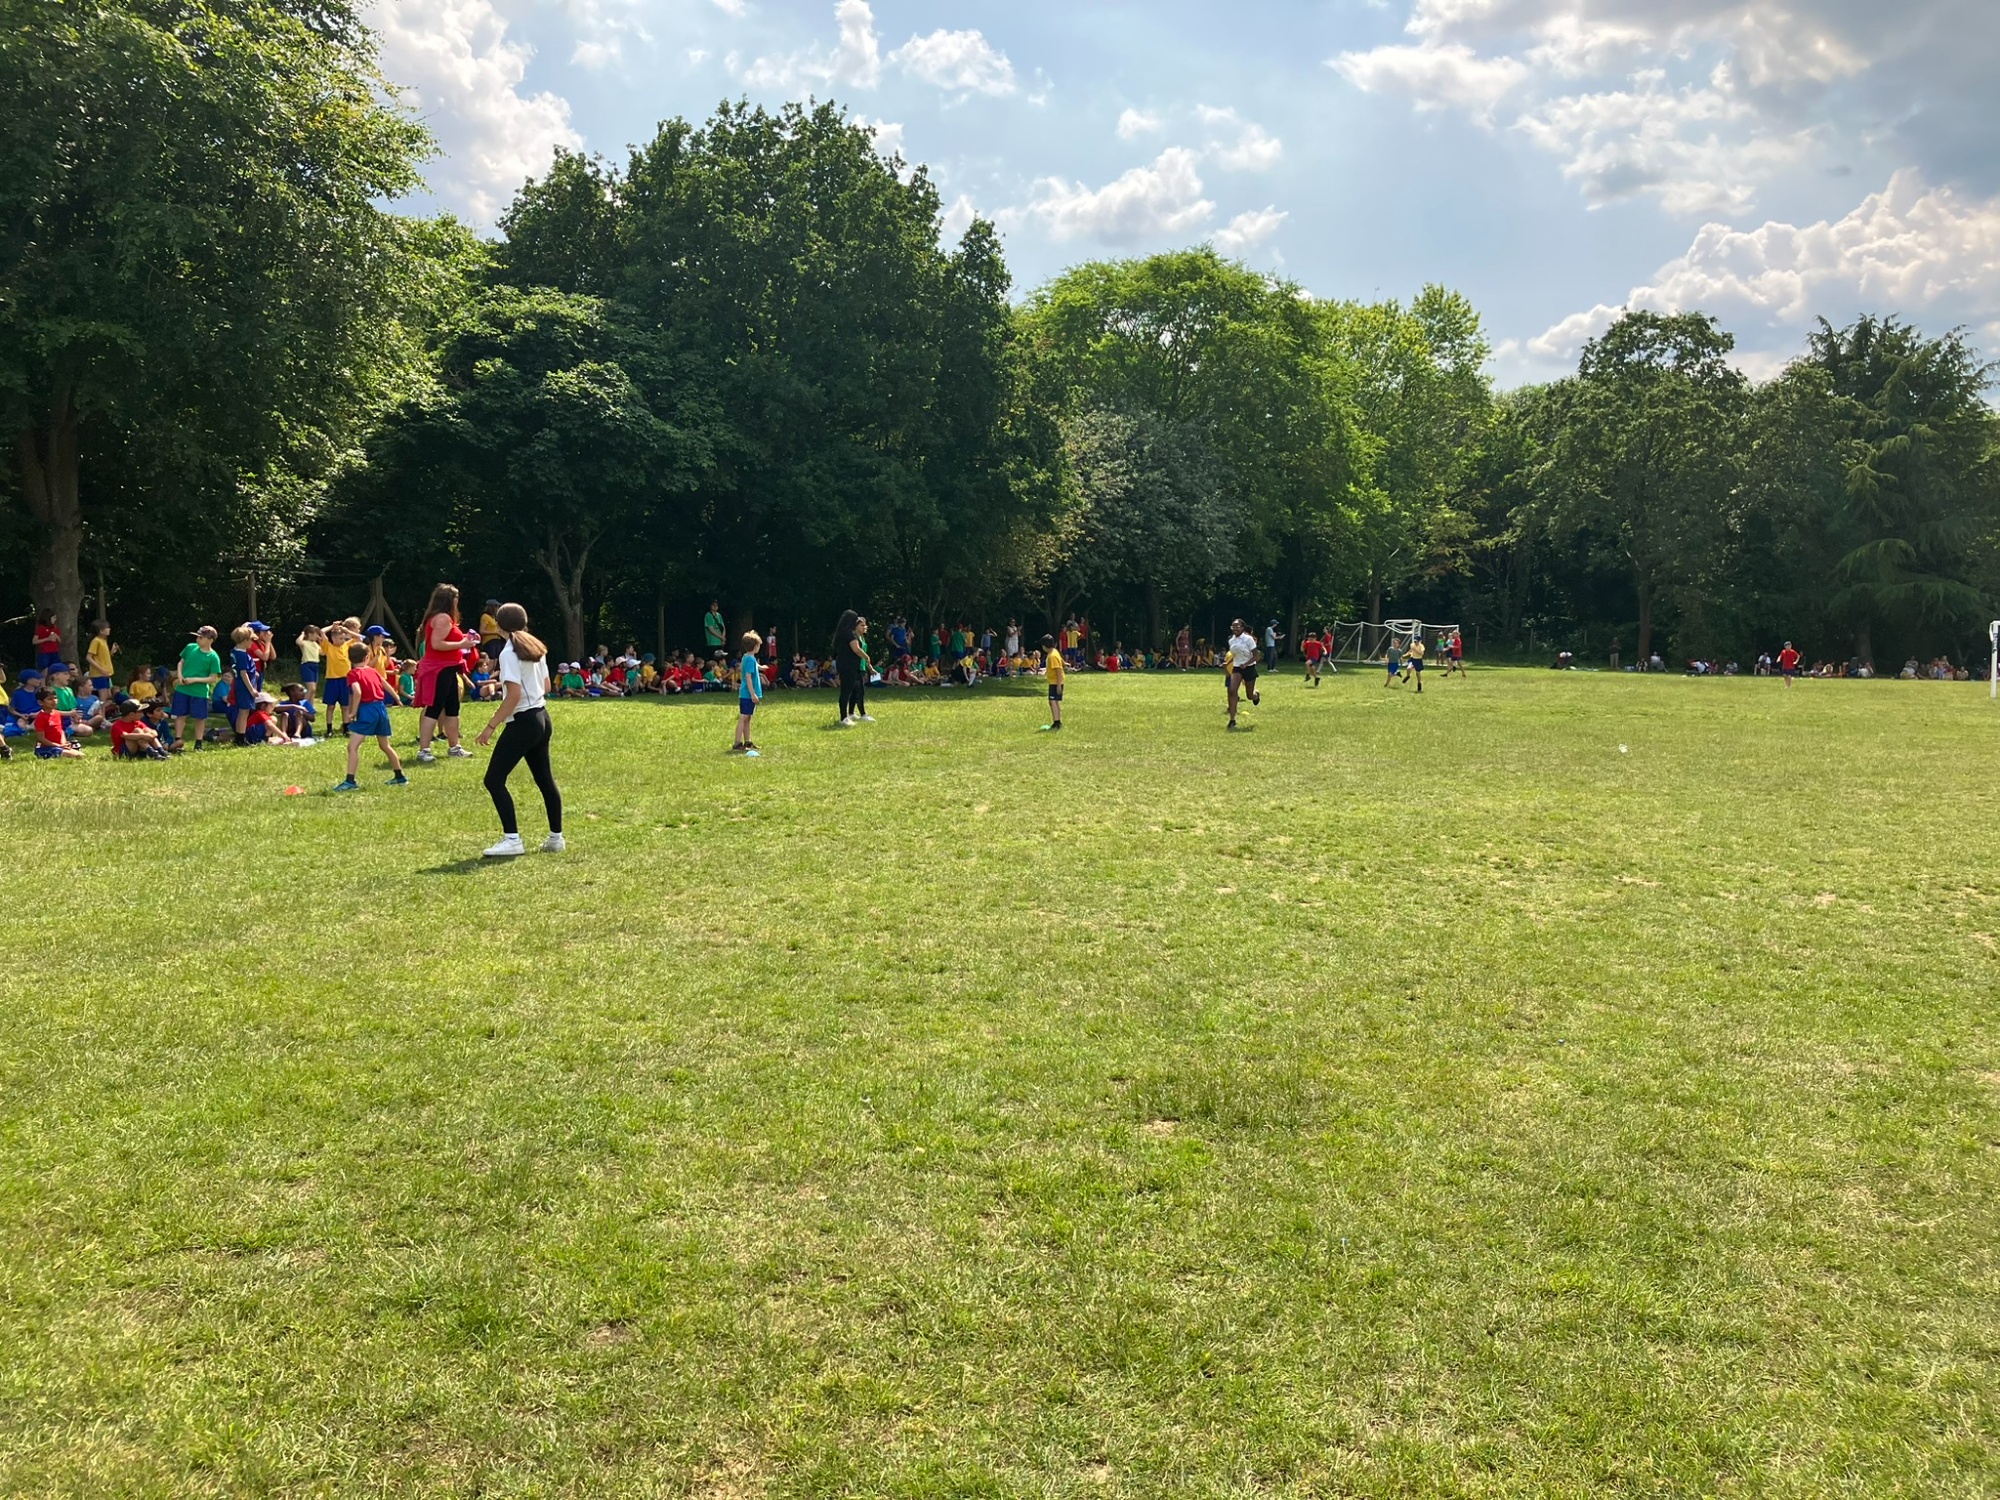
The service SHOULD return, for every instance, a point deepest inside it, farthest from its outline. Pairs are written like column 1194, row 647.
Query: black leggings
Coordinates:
column 853, row 694
column 526, row 737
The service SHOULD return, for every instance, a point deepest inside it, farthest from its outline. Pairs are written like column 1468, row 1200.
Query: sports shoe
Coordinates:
column 507, row 848
column 425, row 758
column 868, row 718
column 553, row 844
column 845, row 724
column 399, row 779
column 347, row 785
column 459, row 752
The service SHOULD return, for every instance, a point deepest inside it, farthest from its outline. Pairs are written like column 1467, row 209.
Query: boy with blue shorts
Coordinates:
column 368, row 706
column 749, row 693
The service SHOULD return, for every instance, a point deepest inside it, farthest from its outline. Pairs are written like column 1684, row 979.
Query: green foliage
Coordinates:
column 192, row 248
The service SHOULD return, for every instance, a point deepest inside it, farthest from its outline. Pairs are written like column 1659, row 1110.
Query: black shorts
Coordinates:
column 444, row 697
column 491, row 649
column 1055, row 692
column 1247, row 674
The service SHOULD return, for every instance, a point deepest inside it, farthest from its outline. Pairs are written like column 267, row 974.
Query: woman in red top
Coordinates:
column 446, row 649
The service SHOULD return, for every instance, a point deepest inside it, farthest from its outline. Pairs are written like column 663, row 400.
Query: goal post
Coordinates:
column 1367, row 641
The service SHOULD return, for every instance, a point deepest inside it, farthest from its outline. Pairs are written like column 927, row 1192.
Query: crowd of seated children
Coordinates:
column 1937, row 669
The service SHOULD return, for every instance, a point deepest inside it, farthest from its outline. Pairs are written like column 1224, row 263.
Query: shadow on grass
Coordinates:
column 466, row 866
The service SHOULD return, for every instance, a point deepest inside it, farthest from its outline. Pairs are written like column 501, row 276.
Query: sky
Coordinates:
column 1555, row 160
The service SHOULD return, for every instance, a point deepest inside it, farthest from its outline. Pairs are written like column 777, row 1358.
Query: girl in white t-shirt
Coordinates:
column 524, row 692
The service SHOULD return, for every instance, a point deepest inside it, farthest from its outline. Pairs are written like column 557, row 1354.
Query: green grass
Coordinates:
column 1411, row 1097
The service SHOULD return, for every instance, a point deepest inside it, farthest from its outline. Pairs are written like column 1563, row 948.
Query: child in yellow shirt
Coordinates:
column 1052, row 662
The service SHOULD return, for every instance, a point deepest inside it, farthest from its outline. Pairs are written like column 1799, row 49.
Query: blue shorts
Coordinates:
column 98, row 684
column 333, row 692
column 46, row 659
column 746, row 706
column 370, row 720
column 48, row 752
column 308, row 672
column 189, row 705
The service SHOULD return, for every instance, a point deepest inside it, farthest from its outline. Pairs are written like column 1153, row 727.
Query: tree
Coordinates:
column 1920, row 488
column 1644, row 461
column 190, row 238
column 1417, row 383
column 557, row 433
column 1234, row 361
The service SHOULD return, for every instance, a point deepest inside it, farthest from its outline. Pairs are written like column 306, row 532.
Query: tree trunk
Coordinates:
column 1375, row 599
column 566, row 578
column 1645, row 653
column 660, row 623
column 46, row 456
column 1864, row 643
column 1156, row 618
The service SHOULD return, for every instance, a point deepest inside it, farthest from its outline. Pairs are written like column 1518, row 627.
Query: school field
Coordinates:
column 1557, row 1085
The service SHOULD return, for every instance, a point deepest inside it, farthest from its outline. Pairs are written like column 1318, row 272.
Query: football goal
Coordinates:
column 1368, row 641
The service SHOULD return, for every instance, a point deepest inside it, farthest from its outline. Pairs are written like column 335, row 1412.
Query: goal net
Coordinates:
column 1368, row 641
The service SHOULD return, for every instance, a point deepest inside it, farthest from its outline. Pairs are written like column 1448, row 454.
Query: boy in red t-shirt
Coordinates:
column 1314, row 648
column 132, row 738
column 368, row 703
column 51, row 742
column 1788, row 663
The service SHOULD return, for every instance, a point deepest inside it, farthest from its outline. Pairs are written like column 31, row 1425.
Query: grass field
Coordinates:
column 1555, row 1085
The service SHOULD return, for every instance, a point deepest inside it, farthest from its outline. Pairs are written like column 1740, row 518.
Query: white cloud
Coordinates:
column 956, row 220
column 1134, row 123
column 462, row 74
column 1146, row 203
column 1910, row 248
column 958, row 60
column 855, row 62
column 888, row 134
column 1673, row 143
column 1254, row 150
column 1248, row 230
column 602, row 28
column 1433, row 76
column 1695, row 102
column 733, row 7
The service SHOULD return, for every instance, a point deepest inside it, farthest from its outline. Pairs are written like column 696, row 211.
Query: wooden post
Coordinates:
column 251, row 580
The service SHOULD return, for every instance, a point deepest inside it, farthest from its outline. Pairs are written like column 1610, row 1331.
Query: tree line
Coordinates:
column 742, row 365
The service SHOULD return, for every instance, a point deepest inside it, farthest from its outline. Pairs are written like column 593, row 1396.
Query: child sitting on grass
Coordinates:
column 51, row 742
column 142, row 688
column 132, row 738
column 294, row 713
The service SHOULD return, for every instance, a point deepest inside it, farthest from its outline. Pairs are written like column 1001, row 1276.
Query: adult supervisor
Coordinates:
column 438, row 679
column 850, row 666
column 524, row 692
column 712, row 627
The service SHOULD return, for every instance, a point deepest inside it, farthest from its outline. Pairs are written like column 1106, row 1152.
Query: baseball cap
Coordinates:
column 204, row 630
column 376, row 630
column 31, row 674
column 258, row 625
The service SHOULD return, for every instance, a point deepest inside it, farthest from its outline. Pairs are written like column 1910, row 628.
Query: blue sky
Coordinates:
column 1553, row 159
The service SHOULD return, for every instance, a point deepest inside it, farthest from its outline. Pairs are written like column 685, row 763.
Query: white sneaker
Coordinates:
column 868, row 718
column 507, row 848
column 553, row 844
column 425, row 758
column 459, row 752
column 847, row 723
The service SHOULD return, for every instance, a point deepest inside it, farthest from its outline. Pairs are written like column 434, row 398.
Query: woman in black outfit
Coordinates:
column 524, row 683
column 847, row 667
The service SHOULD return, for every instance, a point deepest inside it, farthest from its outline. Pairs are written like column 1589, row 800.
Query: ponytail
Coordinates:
column 513, row 623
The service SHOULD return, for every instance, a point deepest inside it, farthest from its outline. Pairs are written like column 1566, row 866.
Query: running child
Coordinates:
column 749, row 693
column 370, row 705
column 1788, row 663
column 1052, row 663
column 1395, row 662
column 1312, row 648
column 1240, row 672
column 1414, row 659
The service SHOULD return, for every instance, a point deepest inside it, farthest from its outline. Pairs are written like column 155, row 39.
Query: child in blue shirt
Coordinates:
column 749, row 693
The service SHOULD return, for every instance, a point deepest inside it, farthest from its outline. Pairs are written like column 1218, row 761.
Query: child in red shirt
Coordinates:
column 51, row 741
column 1314, row 649
column 368, row 702
column 132, row 738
